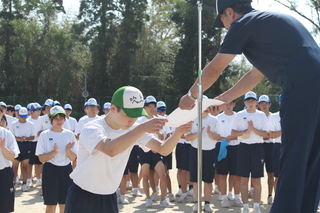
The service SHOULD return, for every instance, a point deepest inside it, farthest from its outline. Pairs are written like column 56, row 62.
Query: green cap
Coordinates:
column 56, row 110
column 130, row 99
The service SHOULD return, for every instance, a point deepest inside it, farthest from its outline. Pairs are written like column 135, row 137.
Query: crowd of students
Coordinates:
column 49, row 144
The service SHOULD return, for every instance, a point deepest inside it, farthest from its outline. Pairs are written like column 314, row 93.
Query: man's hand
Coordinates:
column 186, row 128
column 215, row 110
column 154, row 125
column 186, row 102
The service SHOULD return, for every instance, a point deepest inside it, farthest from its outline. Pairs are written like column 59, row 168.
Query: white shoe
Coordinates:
column 154, row 197
column 216, row 190
column 24, row 188
column 270, row 200
column 245, row 210
column 148, row 203
column 190, row 192
column 29, row 183
column 179, row 193
column 230, row 197
column 251, row 193
column 166, row 204
column 195, row 208
column 220, row 197
column 256, row 209
column 128, row 185
column 183, row 198
column 17, row 180
column 225, row 203
column 123, row 200
column 136, row 192
column 208, row 208
column 39, row 182
column 157, row 189
column 171, row 197
column 237, row 202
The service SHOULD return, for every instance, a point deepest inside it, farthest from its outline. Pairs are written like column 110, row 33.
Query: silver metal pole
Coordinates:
column 199, row 99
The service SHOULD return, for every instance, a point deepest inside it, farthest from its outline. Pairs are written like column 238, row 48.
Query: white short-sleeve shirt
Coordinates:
column 226, row 122
column 275, row 125
column 268, row 120
column 82, row 121
column 259, row 120
column 36, row 126
column 11, row 145
column 46, row 142
column 23, row 129
column 97, row 172
column 73, row 123
column 45, row 123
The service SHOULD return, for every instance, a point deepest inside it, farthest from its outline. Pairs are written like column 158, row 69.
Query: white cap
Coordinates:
column 205, row 97
column 91, row 102
column 264, row 98
column 56, row 110
column 49, row 102
column 150, row 99
column 106, row 105
column 23, row 112
column 67, row 106
column 250, row 94
column 35, row 106
column 29, row 106
column 56, row 103
column 161, row 104
column 3, row 104
column 17, row 107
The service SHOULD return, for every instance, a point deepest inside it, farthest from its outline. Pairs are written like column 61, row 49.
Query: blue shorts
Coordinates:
column 150, row 158
column 55, row 183
column 208, row 160
column 228, row 164
column 167, row 160
column 81, row 201
column 276, row 158
column 24, row 148
column 133, row 162
column 250, row 159
column 268, row 159
column 182, row 156
column 33, row 158
column 6, row 190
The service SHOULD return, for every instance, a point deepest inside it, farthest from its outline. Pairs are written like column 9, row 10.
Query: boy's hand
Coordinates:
column 70, row 145
column 186, row 128
column 154, row 125
column 55, row 148
column 2, row 143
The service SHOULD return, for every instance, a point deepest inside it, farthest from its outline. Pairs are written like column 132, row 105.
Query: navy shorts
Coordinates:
column 81, row 201
column 229, row 164
column 133, row 162
column 208, row 160
column 55, row 183
column 34, row 159
column 268, row 153
column 6, row 190
column 250, row 159
column 182, row 156
column 150, row 158
column 24, row 148
column 167, row 160
column 276, row 158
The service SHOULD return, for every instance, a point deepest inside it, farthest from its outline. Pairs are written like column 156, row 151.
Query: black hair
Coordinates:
column 240, row 8
column 59, row 114
column 4, row 119
column 147, row 104
column 10, row 108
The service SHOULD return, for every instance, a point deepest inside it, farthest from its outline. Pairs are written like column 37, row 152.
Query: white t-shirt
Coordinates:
column 11, row 145
column 10, row 119
column 36, row 126
column 207, row 142
column 259, row 120
column 46, row 142
column 45, row 123
column 275, row 125
column 73, row 123
column 23, row 129
column 268, row 120
column 83, row 120
column 226, row 122
column 97, row 172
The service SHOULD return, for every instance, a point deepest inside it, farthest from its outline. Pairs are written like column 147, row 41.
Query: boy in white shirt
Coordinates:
column 251, row 126
column 70, row 120
column 104, row 148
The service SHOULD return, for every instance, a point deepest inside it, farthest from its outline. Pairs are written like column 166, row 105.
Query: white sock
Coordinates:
column 246, row 205
column 237, row 196
column 256, row 205
column 230, row 192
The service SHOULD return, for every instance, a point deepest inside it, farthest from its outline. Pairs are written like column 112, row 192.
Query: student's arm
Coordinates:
column 191, row 137
column 29, row 138
column 71, row 155
column 230, row 138
column 6, row 152
column 235, row 133
column 47, row 156
column 169, row 144
column 118, row 145
column 258, row 132
column 213, row 135
column 275, row 134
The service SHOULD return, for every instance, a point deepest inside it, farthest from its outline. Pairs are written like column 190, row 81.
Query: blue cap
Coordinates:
column 35, row 106
column 56, row 103
column 150, row 99
column 23, row 112
column 49, row 102
column 106, row 105
column 264, row 98
column 250, row 94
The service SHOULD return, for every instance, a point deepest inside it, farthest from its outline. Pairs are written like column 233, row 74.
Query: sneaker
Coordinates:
column 250, row 193
column 195, row 208
column 220, row 197
column 183, row 198
column 148, row 203
column 123, row 200
column 230, row 197
column 39, row 182
column 179, row 193
column 136, row 192
column 154, row 197
column 208, row 208
column 29, row 183
column 270, row 200
column 24, row 188
column 245, row 210
column 216, row 190
column 166, row 204
column 225, row 203
column 237, row 202
column 17, row 180
column 129, row 185
column 157, row 189
column 256, row 209
column 190, row 192
column 171, row 197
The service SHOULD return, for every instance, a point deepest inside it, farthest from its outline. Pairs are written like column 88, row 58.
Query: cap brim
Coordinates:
column 54, row 114
column 23, row 116
column 136, row 112
column 217, row 23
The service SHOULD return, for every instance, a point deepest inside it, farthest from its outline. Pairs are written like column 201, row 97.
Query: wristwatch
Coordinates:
column 190, row 96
